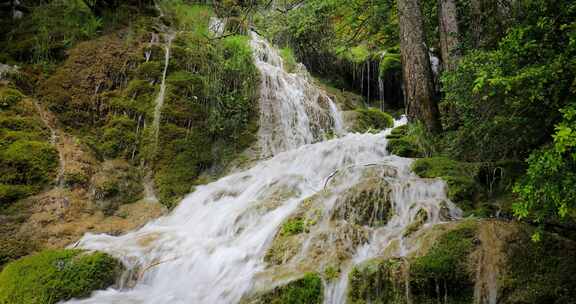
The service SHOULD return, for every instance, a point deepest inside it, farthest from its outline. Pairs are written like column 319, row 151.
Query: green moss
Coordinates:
column 460, row 177
column 372, row 120
column 538, row 272
column 306, row 290
column 289, row 59
column 56, row 275
column 446, row 264
column 28, row 162
column 9, row 97
column 118, row 182
column 118, row 138
column 14, row 248
column 403, row 148
column 293, row 226
column 11, row 193
column 367, row 203
column 378, row 281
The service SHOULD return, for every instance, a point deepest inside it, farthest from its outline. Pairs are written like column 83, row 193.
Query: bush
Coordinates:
column 56, row 275
column 548, row 191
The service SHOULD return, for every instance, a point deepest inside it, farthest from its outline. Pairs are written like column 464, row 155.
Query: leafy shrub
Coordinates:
column 56, row 275
column 548, row 191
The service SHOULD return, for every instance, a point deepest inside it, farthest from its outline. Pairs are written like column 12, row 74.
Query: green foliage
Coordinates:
column 187, row 17
column 548, row 191
column 460, row 177
column 503, row 103
column 306, row 290
column 289, row 59
column 56, row 275
column 293, row 226
column 372, row 120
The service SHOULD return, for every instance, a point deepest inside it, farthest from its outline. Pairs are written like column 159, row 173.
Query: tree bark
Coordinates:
column 417, row 74
column 476, row 22
column 449, row 33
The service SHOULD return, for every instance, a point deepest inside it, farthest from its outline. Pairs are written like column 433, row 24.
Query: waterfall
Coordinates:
column 211, row 247
column 293, row 111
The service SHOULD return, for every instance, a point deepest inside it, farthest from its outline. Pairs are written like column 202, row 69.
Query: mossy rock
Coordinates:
column 461, row 177
column 538, row 272
column 9, row 97
column 378, row 281
column 306, row 290
column 118, row 182
column 372, row 120
column 400, row 144
column 403, row 147
column 446, row 264
column 56, row 275
column 367, row 203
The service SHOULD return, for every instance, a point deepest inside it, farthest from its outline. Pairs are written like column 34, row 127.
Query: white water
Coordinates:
column 211, row 247
column 293, row 111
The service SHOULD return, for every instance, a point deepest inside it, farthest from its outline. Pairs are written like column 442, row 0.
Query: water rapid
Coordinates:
column 211, row 248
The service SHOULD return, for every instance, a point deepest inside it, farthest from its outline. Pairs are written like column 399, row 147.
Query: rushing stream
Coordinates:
column 211, row 248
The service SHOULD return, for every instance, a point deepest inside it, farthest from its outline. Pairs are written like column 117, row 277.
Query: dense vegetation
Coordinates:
column 499, row 127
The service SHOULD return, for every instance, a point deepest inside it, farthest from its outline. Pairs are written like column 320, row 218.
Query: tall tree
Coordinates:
column 449, row 33
column 417, row 74
column 476, row 22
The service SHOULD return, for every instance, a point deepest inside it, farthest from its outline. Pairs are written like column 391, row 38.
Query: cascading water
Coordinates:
column 149, row 194
column 293, row 111
column 211, row 248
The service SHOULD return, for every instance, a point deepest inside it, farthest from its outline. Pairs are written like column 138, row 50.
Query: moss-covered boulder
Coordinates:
column 378, row 281
column 537, row 272
column 306, row 290
column 372, row 120
column 447, row 264
column 56, row 275
column 461, row 177
column 367, row 203
column 400, row 144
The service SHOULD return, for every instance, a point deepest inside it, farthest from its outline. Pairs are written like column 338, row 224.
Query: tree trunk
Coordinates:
column 449, row 33
column 476, row 23
column 417, row 74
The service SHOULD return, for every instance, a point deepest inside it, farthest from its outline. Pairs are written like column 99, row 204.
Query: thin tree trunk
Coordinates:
column 449, row 33
column 417, row 74
column 476, row 23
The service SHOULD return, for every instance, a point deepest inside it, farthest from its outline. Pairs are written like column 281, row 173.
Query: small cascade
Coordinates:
column 154, row 39
column 217, row 26
column 381, row 93
column 293, row 111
